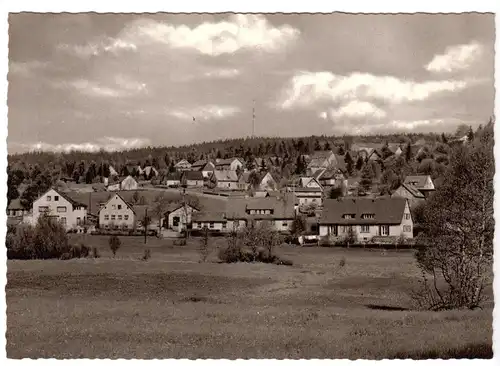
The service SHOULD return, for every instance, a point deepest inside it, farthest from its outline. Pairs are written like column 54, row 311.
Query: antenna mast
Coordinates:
column 253, row 119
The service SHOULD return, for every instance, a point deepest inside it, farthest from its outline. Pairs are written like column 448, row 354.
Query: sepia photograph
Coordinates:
column 250, row 186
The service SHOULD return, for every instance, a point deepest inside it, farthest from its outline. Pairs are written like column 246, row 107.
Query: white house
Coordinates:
column 307, row 191
column 55, row 204
column 172, row 179
column 182, row 165
column 179, row 217
column 149, row 171
column 192, row 179
column 126, row 184
column 15, row 209
column 423, row 183
column 325, row 160
column 366, row 217
column 116, row 212
column 264, row 181
column 204, row 166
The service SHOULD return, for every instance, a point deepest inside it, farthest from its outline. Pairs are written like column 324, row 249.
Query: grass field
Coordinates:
column 174, row 307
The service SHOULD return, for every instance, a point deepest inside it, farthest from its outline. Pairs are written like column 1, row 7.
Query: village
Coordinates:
column 329, row 202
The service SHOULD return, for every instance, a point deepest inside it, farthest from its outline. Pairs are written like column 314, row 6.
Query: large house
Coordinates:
column 367, row 218
column 325, row 160
column 224, row 179
column 182, row 165
column 412, row 194
column 172, row 179
column 307, row 191
column 126, row 184
column 192, row 179
column 276, row 212
column 58, row 205
column 118, row 213
column 329, row 177
column 421, row 182
column 229, row 164
column 178, row 217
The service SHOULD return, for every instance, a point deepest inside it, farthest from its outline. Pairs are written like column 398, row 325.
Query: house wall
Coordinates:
column 114, row 187
column 173, row 182
column 403, row 192
column 306, row 198
column 129, row 184
column 407, row 222
column 72, row 218
column 194, row 183
column 216, row 226
column 117, row 209
column 374, row 230
column 227, row 185
column 17, row 213
column 267, row 183
column 235, row 164
column 184, row 215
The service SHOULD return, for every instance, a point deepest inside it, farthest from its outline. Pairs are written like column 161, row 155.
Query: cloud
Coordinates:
column 308, row 88
column 105, row 143
column 108, row 45
column 239, row 32
column 355, row 109
column 456, row 58
column 122, row 87
column 222, row 73
column 26, row 68
column 204, row 112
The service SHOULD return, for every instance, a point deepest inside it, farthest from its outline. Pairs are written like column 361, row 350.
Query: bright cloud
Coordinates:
column 109, row 45
column 204, row 112
column 456, row 58
column 355, row 109
column 25, row 68
column 222, row 73
column 239, row 32
column 308, row 88
column 105, row 143
column 122, row 87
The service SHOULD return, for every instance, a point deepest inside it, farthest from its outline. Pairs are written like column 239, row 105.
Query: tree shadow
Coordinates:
column 386, row 307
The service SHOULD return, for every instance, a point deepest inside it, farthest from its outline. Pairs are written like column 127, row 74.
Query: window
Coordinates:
column 348, row 216
column 61, row 209
column 368, row 216
column 119, row 217
column 199, row 225
column 211, row 225
column 78, row 221
column 63, row 220
column 224, row 225
column 56, row 198
column 119, row 207
column 175, row 221
column 407, row 228
column 49, row 198
column 43, row 209
column 384, row 230
column 113, row 217
column 365, row 229
column 106, row 217
column 113, row 207
column 407, row 216
column 125, row 217
column 285, row 224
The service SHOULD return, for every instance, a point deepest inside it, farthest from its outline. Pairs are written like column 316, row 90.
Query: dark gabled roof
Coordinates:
column 228, row 161
column 414, row 191
column 173, row 176
column 15, row 205
column 209, row 216
column 225, row 175
column 236, row 208
column 386, row 210
column 318, row 173
column 193, row 175
column 171, row 207
column 321, row 154
column 69, row 199
column 199, row 163
column 330, row 174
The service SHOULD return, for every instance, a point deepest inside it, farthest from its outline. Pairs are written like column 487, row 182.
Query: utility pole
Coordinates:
column 145, row 223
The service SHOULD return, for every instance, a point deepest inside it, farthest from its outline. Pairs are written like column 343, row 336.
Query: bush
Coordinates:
column 79, row 251
column 47, row 239
column 147, row 254
column 180, row 242
column 325, row 241
column 114, row 244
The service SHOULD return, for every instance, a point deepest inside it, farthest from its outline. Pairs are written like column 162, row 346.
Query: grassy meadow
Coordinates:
column 332, row 303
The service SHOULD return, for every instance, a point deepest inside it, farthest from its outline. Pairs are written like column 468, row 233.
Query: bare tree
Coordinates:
column 160, row 204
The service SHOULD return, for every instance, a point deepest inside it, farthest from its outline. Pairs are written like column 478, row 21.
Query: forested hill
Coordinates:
column 162, row 156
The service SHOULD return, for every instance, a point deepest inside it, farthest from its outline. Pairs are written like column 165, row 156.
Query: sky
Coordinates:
column 115, row 81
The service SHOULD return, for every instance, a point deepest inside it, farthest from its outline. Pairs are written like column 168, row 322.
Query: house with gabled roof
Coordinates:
column 423, row 183
column 412, row 194
column 172, row 179
column 182, row 165
column 224, row 179
column 16, row 209
column 229, row 164
column 264, row 181
column 192, row 178
column 117, row 212
column 325, row 160
column 307, row 191
column 125, row 184
column 60, row 206
column 178, row 216
column 329, row 177
column 367, row 218
column 205, row 166
column 149, row 171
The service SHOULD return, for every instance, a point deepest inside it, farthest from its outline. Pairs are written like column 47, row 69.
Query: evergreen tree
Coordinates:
column 349, row 163
column 470, row 135
column 408, row 153
column 366, row 181
column 359, row 163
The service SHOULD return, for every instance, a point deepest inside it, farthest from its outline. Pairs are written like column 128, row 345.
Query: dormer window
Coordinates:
column 349, row 216
column 368, row 216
